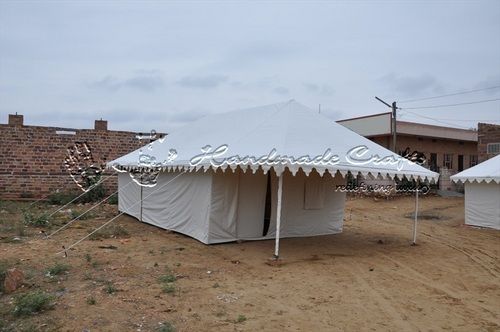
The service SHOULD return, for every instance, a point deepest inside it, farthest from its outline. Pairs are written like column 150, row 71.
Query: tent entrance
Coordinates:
column 267, row 208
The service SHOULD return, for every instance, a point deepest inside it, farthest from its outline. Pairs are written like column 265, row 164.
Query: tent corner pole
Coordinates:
column 278, row 217
column 415, row 222
column 141, row 205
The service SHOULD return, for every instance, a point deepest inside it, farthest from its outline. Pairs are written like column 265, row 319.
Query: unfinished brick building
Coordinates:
column 488, row 141
column 32, row 158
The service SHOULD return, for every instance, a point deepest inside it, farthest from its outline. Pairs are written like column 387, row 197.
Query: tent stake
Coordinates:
column 416, row 216
column 278, row 217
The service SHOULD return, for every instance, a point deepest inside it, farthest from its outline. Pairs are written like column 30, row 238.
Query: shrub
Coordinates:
column 61, row 198
column 167, row 278
column 166, row 327
column 110, row 288
column 96, row 193
column 34, row 220
column 57, row 269
column 91, row 300
column 241, row 319
column 113, row 199
column 168, row 288
column 33, row 302
column 88, row 257
column 4, row 266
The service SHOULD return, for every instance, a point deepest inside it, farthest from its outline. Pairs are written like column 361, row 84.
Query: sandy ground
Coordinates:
column 367, row 278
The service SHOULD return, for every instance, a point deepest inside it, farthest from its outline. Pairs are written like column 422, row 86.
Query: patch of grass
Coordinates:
column 75, row 214
column 20, row 230
column 31, row 303
column 113, row 199
column 113, row 231
column 88, row 257
column 216, row 285
column 91, row 300
column 4, row 266
column 110, row 288
column 220, row 313
column 61, row 198
column 57, row 269
column 167, row 278
column 168, row 288
column 240, row 319
column 31, row 219
column 95, row 264
column 166, row 327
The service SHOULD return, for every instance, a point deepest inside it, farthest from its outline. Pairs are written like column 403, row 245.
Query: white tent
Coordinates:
column 482, row 193
column 247, row 192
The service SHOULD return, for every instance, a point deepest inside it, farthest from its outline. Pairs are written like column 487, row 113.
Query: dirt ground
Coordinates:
column 367, row 278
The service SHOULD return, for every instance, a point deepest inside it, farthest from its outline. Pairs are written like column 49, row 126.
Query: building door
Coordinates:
column 433, row 162
column 460, row 162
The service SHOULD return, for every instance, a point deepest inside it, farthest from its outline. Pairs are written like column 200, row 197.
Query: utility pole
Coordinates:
column 393, row 122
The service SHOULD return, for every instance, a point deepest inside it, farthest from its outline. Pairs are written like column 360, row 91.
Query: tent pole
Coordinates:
column 278, row 217
column 141, row 204
column 416, row 216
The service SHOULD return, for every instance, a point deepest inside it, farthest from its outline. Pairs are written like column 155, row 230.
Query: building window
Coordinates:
column 493, row 148
column 472, row 160
column 448, row 160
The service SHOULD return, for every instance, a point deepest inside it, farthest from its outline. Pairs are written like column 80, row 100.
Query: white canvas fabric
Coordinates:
column 221, row 203
column 487, row 171
column 482, row 193
column 215, row 207
column 290, row 128
column 482, row 204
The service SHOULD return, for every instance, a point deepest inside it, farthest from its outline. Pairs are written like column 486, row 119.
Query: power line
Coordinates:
column 450, row 94
column 467, row 120
column 438, row 120
column 451, row 105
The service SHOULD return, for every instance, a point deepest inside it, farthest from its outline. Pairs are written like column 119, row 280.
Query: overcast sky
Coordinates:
column 159, row 65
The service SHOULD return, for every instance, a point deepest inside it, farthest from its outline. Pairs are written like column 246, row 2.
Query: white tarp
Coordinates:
column 482, row 204
column 482, row 193
column 216, row 207
column 487, row 171
column 290, row 129
column 216, row 203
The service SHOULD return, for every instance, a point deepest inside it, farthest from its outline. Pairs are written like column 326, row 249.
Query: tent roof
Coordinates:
column 291, row 129
column 486, row 171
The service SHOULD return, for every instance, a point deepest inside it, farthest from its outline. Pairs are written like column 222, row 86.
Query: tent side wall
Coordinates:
column 223, row 206
column 129, row 193
column 182, row 205
column 311, row 206
column 482, row 204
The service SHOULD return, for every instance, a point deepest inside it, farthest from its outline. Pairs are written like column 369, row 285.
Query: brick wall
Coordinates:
column 487, row 133
column 32, row 157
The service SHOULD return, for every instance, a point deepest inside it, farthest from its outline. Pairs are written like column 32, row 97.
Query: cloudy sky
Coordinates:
column 144, row 65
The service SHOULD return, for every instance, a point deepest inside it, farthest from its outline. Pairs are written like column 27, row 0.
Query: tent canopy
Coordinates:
column 280, row 135
column 487, row 171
